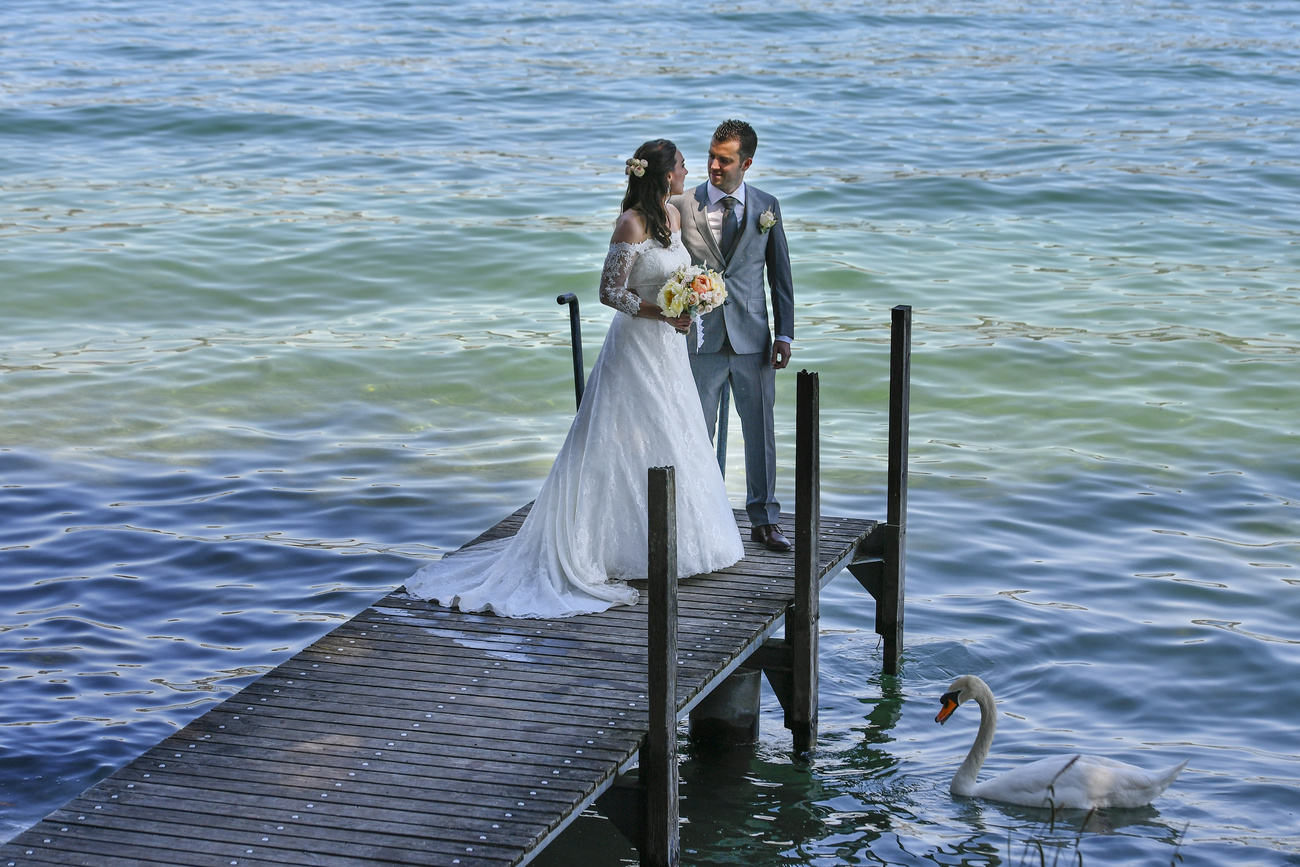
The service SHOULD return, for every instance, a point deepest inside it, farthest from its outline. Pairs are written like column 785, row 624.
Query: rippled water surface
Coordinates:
column 278, row 284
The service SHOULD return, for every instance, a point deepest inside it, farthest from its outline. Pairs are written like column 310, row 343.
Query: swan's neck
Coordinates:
column 963, row 782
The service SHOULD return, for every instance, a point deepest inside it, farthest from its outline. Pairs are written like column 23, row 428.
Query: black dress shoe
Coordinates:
column 770, row 537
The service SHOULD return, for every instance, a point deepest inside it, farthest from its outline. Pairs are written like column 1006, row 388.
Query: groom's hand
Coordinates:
column 780, row 355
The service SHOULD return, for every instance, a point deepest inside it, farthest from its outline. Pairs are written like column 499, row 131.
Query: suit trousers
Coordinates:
column 753, row 389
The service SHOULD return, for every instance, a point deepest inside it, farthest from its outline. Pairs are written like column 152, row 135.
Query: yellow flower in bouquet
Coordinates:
column 694, row 290
column 691, row 289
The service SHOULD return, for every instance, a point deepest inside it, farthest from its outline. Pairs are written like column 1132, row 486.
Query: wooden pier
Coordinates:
column 419, row 735
column 414, row 734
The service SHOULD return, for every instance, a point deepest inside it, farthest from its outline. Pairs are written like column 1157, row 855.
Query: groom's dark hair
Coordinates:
column 741, row 132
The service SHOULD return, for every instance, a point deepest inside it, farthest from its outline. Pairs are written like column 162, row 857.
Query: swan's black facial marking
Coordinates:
column 949, row 701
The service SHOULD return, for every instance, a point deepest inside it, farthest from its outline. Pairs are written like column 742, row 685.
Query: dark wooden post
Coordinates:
column 575, row 336
column 889, row 607
column 879, row 562
column 659, row 752
column 724, row 420
column 801, row 624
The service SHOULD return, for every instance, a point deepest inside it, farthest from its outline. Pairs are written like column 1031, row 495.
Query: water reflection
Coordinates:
column 1018, row 835
column 759, row 804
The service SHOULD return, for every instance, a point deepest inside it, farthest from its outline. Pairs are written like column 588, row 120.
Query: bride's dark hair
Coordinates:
column 646, row 194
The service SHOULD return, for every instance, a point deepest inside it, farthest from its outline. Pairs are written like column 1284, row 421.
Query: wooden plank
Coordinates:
column 530, row 800
column 544, row 724
column 401, row 813
column 446, row 793
column 172, row 828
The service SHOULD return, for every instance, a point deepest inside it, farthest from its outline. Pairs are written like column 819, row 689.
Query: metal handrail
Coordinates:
column 575, row 335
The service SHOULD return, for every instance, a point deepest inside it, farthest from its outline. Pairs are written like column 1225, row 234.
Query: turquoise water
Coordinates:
column 279, row 324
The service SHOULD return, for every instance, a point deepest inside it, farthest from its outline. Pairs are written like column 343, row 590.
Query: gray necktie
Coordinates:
column 730, row 225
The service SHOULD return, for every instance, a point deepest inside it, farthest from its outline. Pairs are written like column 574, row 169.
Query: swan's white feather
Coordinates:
column 1077, row 782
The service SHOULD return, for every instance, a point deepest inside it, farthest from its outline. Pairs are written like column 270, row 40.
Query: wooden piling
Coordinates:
column 802, row 624
column 889, row 608
column 659, row 753
column 880, row 560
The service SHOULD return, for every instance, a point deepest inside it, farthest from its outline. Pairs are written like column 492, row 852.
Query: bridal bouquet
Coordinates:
column 694, row 290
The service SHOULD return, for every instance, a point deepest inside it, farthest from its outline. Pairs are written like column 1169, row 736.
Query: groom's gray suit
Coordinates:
column 737, row 336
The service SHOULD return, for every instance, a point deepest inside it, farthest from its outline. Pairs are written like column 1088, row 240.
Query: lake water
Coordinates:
column 279, row 324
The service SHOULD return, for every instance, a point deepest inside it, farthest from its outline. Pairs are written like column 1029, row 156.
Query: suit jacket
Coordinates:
column 743, row 316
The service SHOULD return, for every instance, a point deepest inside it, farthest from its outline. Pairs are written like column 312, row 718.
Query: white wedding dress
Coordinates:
column 586, row 534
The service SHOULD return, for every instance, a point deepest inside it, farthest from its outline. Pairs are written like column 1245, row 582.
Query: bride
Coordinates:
column 586, row 534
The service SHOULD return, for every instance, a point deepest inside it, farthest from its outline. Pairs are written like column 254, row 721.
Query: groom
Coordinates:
column 735, row 229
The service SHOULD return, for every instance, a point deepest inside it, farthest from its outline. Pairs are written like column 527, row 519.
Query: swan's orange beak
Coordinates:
column 949, row 702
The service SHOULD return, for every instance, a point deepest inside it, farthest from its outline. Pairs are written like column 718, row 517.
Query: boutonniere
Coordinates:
column 766, row 220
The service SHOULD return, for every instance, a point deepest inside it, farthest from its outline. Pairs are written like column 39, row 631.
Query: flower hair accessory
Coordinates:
column 636, row 167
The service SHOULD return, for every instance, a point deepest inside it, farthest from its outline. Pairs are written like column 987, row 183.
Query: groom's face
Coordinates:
column 726, row 168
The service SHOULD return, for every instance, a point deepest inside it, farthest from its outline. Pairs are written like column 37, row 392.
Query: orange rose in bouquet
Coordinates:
column 694, row 290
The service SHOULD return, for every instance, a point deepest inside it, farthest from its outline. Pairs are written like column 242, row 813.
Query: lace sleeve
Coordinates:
column 613, row 278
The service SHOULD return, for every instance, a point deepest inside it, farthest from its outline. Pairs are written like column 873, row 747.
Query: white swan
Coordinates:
column 1071, row 782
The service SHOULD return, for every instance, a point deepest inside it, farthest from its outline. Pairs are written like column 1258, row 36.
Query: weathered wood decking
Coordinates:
column 417, row 735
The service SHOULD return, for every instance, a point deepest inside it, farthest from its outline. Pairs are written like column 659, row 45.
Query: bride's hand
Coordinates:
column 681, row 323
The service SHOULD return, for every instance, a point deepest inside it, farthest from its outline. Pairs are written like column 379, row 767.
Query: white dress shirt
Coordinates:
column 715, row 211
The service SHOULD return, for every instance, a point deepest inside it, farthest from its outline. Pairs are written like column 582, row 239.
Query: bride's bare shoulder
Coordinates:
column 674, row 218
column 630, row 229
